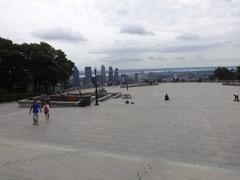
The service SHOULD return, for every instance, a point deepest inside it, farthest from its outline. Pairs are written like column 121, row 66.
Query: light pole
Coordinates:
column 96, row 91
column 127, row 82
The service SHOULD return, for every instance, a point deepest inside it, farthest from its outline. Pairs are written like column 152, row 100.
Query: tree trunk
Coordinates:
column 39, row 88
column 46, row 88
column 35, row 87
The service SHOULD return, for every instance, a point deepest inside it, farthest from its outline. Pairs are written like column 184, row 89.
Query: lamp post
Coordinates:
column 127, row 82
column 96, row 91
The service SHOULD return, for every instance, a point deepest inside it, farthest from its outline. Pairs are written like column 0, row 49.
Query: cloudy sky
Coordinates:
column 129, row 33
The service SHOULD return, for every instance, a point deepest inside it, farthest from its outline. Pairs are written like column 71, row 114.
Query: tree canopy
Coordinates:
column 223, row 73
column 37, row 65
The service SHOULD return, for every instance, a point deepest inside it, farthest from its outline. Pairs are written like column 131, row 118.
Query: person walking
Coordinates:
column 46, row 110
column 35, row 108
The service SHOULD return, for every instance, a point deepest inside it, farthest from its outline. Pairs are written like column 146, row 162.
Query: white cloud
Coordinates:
column 136, row 29
column 183, row 27
column 188, row 37
column 59, row 34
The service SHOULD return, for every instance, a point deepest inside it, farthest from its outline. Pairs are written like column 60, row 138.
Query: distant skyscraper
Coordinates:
column 110, row 76
column 136, row 77
column 103, row 75
column 116, row 77
column 76, row 79
column 88, row 75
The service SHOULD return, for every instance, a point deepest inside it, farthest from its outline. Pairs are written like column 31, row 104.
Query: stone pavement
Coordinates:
column 196, row 135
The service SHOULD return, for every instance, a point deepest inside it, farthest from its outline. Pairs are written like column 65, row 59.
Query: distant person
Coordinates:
column 46, row 110
column 166, row 97
column 35, row 108
column 236, row 97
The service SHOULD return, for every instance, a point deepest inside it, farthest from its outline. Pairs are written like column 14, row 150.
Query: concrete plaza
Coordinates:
column 196, row 135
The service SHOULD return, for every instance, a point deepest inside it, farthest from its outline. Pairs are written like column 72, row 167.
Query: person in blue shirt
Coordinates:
column 35, row 108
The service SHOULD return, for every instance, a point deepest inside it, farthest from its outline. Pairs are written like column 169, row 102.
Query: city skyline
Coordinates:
column 129, row 34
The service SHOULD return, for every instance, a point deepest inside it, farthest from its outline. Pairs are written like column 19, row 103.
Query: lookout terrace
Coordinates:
column 194, row 135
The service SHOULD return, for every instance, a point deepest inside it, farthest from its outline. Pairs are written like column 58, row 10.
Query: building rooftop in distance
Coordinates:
column 195, row 135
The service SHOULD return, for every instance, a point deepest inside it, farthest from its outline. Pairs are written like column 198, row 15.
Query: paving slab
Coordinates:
column 196, row 135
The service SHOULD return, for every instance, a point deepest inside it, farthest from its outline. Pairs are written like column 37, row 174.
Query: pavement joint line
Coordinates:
column 10, row 114
column 21, row 144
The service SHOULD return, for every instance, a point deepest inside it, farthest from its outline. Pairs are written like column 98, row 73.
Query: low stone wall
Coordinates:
column 108, row 96
column 117, row 96
column 25, row 103
column 104, row 98
column 138, row 85
column 231, row 84
column 71, row 100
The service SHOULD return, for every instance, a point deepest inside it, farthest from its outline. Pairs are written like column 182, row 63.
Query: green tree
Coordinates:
column 13, row 71
column 65, row 66
column 238, row 73
column 47, row 65
column 37, row 64
column 222, row 73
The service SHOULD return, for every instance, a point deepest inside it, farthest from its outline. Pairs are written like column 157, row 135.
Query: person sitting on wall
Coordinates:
column 166, row 97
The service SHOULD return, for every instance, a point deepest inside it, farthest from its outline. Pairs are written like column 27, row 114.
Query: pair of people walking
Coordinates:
column 35, row 109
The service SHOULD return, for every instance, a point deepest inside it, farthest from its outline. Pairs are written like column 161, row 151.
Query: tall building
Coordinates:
column 103, row 75
column 136, row 75
column 76, row 79
column 116, row 77
column 110, row 76
column 88, row 75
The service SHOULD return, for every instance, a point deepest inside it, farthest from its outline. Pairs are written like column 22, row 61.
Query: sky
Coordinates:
column 129, row 34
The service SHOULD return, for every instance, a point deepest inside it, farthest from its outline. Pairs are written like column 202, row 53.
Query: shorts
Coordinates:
column 35, row 116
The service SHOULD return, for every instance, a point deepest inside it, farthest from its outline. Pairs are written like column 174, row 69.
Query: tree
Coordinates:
column 238, row 73
column 47, row 65
column 223, row 73
column 65, row 66
column 37, row 64
column 13, row 72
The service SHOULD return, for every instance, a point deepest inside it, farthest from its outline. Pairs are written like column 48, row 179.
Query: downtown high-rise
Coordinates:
column 110, row 76
column 75, row 74
column 88, row 75
column 116, row 77
column 103, row 76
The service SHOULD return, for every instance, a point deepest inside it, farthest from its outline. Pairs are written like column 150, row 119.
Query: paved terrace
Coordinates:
column 196, row 135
